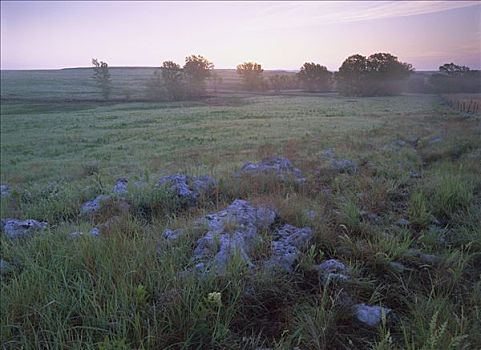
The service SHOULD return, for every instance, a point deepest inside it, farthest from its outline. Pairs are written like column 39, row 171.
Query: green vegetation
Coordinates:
column 128, row 288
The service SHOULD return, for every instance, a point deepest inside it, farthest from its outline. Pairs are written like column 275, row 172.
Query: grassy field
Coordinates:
column 127, row 289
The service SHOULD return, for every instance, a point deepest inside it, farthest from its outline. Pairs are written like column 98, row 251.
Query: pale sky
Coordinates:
column 279, row 35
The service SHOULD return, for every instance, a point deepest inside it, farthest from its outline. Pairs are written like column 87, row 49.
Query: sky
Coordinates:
column 278, row 35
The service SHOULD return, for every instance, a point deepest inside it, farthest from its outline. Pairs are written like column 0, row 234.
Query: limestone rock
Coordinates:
column 14, row 228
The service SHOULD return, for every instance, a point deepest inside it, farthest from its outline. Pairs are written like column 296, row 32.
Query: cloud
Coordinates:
column 303, row 14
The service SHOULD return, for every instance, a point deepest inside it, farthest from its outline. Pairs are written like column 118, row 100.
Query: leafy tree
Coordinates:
column 314, row 77
column 278, row 82
column 155, row 87
column 216, row 80
column 173, row 78
column 453, row 69
column 102, row 77
column 197, row 69
column 377, row 75
column 454, row 78
column 251, row 75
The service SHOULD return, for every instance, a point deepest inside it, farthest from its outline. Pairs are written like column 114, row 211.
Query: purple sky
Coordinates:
column 275, row 34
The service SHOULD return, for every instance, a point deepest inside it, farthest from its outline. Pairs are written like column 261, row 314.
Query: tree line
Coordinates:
column 380, row 74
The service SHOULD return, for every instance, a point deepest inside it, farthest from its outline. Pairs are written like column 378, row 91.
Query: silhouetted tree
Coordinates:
column 251, row 75
column 377, row 75
column 196, row 70
column 278, row 82
column 453, row 69
column 216, row 80
column 102, row 77
column 155, row 87
column 454, row 78
column 314, row 77
column 173, row 78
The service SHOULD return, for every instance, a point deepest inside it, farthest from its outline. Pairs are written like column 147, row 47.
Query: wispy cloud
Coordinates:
column 304, row 14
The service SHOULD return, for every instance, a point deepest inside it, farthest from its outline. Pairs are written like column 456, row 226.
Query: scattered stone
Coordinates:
column 107, row 226
column 4, row 191
column 172, row 235
column 399, row 143
column 279, row 166
column 435, row 139
column 286, row 245
column 311, row 214
column 232, row 230
column 95, row 232
column 332, row 270
column 397, row 267
column 414, row 174
column 424, row 258
column 343, row 165
column 121, row 186
column 328, row 153
column 5, row 267
column 403, row 222
column 75, row 234
column 368, row 216
column 332, row 265
column 370, row 315
column 188, row 187
column 93, row 206
column 21, row 228
column 395, row 145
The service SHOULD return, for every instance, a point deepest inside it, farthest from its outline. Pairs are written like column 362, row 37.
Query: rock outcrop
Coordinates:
column 231, row 231
column 188, row 188
column 14, row 228
column 280, row 167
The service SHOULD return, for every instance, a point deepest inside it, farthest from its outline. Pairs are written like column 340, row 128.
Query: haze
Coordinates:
column 279, row 35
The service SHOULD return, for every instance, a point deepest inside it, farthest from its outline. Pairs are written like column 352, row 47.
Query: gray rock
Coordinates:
column 5, row 267
column 370, row 315
column 75, row 234
column 4, row 191
column 397, row 267
column 429, row 259
column 334, row 277
column 281, row 167
column 435, row 139
column 395, row 145
column 21, row 228
column 333, row 270
column 233, row 230
column 311, row 214
column 93, row 206
column 172, row 235
column 286, row 246
column 399, row 143
column 95, row 232
column 189, row 188
column 121, row 186
column 343, row 165
column 414, row 174
column 328, row 153
column 403, row 222
column 331, row 265
column 368, row 216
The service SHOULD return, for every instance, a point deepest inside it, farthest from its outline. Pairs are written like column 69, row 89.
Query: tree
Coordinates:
column 197, row 69
column 251, row 75
column 454, row 78
column 453, row 69
column 314, row 77
column 173, row 78
column 216, row 80
column 278, row 82
column 102, row 77
column 377, row 75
